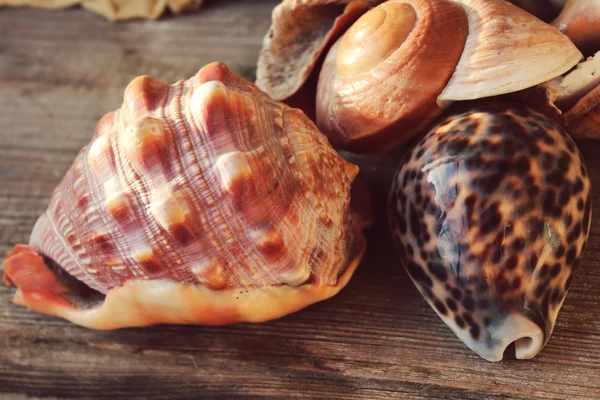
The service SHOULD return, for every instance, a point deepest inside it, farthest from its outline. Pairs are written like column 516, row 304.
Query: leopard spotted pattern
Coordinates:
column 490, row 212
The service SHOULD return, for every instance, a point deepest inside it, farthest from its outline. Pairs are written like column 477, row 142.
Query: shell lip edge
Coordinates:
column 38, row 277
column 526, row 335
column 141, row 303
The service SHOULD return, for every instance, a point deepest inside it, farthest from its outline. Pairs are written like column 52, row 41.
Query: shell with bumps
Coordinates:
column 199, row 202
column 490, row 212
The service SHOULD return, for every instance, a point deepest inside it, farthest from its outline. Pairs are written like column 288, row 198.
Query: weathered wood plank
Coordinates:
column 59, row 73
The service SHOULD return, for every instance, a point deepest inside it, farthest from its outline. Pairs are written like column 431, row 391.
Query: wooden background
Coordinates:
column 378, row 339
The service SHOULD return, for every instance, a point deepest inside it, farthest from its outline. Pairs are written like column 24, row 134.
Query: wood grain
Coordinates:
column 378, row 339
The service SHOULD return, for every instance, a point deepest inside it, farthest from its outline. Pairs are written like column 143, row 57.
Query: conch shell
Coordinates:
column 200, row 202
column 401, row 63
column 490, row 213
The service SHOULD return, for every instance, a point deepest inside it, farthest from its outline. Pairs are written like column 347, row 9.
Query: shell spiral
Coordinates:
column 490, row 213
column 376, row 73
column 206, row 182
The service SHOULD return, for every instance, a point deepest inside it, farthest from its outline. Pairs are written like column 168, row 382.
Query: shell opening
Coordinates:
column 526, row 335
column 521, row 349
column 142, row 302
column 78, row 293
column 524, row 346
column 41, row 278
column 513, row 331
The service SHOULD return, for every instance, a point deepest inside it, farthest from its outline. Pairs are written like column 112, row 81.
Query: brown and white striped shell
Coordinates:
column 200, row 202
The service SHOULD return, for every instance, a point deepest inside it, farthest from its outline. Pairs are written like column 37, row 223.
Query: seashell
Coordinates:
column 200, row 202
column 506, row 51
column 300, row 32
column 583, row 120
column 580, row 21
column 401, row 63
column 372, row 85
column 571, row 87
column 490, row 212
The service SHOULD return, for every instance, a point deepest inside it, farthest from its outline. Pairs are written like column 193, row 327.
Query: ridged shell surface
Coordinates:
column 490, row 213
column 207, row 182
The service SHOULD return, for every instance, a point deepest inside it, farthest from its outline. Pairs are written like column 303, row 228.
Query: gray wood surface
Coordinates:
column 378, row 339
